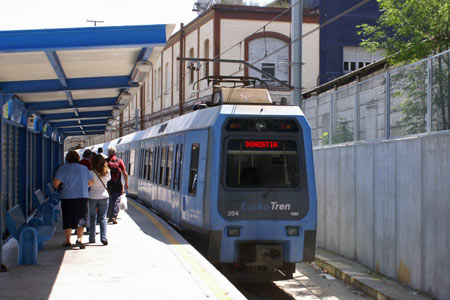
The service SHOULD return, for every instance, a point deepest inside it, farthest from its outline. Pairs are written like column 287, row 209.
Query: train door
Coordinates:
column 193, row 181
column 176, row 185
column 155, row 177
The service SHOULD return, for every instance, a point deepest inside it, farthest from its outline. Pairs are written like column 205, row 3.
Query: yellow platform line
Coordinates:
column 218, row 292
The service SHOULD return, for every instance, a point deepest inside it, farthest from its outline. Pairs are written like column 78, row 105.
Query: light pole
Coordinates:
column 296, row 50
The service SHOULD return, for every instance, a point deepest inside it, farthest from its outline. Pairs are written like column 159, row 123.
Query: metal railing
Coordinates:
column 413, row 99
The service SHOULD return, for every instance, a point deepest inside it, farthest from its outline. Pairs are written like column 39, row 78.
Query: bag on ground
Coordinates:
column 123, row 205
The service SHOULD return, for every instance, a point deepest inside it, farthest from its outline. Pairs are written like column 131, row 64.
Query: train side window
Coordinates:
column 144, row 160
column 175, row 169
column 142, row 164
column 168, row 178
column 193, row 169
column 162, row 165
column 132, row 162
column 155, row 168
column 149, row 163
column 139, row 164
column 154, row 164
column 180, row 169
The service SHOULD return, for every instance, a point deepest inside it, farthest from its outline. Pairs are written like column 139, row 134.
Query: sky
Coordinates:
column 40, row 14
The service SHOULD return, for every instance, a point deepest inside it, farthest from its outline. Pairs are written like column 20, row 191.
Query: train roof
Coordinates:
column 205, row 118
column 201, row 119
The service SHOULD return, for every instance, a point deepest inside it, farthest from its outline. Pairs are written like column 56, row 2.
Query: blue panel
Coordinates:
column 22, row 161
column 56, row 64
column 342, row 32
column 39, row 167
column 145, row 54
column 48, row 160
column 82, row 38
column 76, row 103
column 83, row 122
column 5, row 97
column 89, row 114
column 53, row 85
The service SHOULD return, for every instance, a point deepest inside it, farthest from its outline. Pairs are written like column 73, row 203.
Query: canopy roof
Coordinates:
column 78, row 79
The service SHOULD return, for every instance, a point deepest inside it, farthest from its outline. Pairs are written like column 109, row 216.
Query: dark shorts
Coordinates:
column 74, row 212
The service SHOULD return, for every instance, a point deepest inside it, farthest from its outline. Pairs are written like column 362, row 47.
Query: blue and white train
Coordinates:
column 239, row 176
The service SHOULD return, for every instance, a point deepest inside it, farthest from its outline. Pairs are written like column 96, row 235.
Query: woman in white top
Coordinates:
column 98, row 198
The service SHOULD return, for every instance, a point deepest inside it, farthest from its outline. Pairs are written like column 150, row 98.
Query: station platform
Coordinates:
column 145, row 258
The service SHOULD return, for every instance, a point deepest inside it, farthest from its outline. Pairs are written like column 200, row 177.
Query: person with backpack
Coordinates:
column 115, row 187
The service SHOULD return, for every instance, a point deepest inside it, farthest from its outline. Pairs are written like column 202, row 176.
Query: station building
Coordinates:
column 245, row 33
column 228, row 32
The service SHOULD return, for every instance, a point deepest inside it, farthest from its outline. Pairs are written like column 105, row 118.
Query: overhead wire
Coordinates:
column 242, row 40
column 310, row 32
column 356, row 6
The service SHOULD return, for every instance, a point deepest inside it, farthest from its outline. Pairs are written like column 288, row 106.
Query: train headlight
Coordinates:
column 292, row 230
column 261, row 126
column 233, row 231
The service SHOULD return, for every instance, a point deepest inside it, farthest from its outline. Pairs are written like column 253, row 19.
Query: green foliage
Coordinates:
column 325, row 138
column 409, row 85
column 344, row 132
column 441, row 92
column 409, row 30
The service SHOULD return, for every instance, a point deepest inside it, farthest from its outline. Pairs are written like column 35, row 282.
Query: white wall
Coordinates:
column 386, row 205
column 233, row 31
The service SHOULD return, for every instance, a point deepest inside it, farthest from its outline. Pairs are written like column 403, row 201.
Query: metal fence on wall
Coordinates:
column 396, row 103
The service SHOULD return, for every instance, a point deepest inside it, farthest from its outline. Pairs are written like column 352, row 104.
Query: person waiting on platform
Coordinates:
column 100, row 151
column 86, row 161
column 98, row 197
column 115, row 187
column 76, row 180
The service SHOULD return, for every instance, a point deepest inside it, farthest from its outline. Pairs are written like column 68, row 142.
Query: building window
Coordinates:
column 166, row 79
column 191, row 66
column 177, row 78
column 268, row 68
column 206, row 55
column 149, row 87
column 158, row 86
column 357, row 57
column 276, row 64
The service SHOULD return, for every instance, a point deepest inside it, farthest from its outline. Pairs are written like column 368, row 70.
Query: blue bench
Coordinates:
column 30, row 238
column 47, row 210
column 51, row 193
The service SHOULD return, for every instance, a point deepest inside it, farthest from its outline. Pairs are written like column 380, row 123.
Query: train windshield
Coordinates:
column 256, row 163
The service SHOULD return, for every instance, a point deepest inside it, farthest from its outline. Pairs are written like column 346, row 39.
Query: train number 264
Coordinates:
column 233, row 213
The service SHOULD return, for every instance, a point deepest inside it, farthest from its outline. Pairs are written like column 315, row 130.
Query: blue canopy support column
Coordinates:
column 62, row 90
column 2, row 219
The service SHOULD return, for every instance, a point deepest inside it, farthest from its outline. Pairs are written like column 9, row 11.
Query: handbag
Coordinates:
column 123, row 202
column 102, row 182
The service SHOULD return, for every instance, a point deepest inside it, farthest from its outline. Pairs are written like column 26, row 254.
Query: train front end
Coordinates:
column 266, row 200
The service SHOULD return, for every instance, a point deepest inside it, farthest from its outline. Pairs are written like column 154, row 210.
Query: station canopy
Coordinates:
column 78, row 80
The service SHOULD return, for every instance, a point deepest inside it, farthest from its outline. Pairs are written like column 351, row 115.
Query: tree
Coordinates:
column 411, row 30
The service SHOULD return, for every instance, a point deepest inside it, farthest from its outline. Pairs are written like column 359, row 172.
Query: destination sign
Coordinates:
column 261, row 144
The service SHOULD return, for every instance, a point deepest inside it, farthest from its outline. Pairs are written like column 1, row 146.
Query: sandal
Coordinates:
column 80, row 244
column 67, row 244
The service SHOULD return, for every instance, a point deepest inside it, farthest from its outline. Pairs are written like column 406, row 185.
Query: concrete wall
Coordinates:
column 386, row 204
